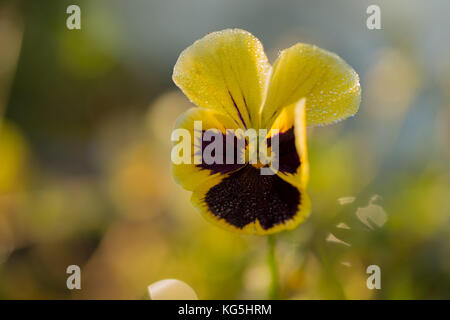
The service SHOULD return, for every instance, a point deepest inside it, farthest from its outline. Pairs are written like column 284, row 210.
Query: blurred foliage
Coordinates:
column 85, row 147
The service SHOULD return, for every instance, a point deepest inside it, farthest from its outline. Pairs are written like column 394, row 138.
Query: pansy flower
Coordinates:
column 228, row 76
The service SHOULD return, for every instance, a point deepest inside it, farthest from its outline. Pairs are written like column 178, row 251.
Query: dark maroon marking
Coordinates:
column 239, row 112
column 246, row 195
column 289, row 159
column 222, row 167
column 249, row 113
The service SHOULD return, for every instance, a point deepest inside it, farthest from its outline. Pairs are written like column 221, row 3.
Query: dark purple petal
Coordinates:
column 223, row 167
column 246, row 195
column 289, row 159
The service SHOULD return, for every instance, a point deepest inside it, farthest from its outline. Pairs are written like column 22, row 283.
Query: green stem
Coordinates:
column 272, row 261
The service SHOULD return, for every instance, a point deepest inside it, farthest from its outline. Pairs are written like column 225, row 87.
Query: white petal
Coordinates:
column 171, row 289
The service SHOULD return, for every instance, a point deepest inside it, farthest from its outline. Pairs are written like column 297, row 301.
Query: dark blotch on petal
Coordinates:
column 289, row 159
column 223, row 167
column 246, row 195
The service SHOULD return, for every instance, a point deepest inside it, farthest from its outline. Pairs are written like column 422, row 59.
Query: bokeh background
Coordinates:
column 85, row 152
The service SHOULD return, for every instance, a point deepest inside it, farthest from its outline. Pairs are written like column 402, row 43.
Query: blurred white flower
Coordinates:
column 171, row 289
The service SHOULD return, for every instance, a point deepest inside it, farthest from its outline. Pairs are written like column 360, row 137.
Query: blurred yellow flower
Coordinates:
column 228, row 76
column 14, row 153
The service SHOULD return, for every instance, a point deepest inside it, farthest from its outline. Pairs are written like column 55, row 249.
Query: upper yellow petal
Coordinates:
column 227, row 71
column 331, row 87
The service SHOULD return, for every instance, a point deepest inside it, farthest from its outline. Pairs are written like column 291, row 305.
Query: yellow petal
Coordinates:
column 246, row 202
column 226, row 71
column 191, row 174
column 330, row 86
column 292, row 121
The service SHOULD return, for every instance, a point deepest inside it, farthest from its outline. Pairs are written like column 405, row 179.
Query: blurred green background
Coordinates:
column 85, row 152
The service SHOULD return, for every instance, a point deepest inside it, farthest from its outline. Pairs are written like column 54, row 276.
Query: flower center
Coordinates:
column 259, row 157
